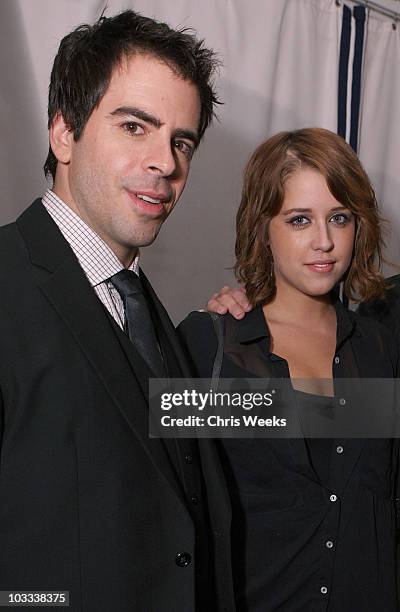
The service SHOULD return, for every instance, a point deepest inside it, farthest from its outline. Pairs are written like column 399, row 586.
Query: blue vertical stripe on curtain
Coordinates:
column 344, row 70
column 359, row 16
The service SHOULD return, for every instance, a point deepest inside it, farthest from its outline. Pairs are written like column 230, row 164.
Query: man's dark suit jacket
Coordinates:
column 387, row 311
column 88, row 503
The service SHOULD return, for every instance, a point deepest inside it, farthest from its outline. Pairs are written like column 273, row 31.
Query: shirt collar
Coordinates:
column 345, row 323
column 254, row 327
column 96, row 258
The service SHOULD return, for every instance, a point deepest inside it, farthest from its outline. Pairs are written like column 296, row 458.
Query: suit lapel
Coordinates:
column 170, row 445
column 174, row 360
column 171, row 347
column 64, row 284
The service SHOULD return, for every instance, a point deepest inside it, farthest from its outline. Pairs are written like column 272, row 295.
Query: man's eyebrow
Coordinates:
column 138, row 113
column 309, row 210
column 132, row 111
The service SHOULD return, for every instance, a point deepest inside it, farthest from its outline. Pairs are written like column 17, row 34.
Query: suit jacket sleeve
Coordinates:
column 199, row 339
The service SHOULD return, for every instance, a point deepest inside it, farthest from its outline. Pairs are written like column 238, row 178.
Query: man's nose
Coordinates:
column 160, row 158
column 322, row 238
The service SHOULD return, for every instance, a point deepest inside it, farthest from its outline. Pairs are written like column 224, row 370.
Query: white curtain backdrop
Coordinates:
column 379, row 144
column 280, row 72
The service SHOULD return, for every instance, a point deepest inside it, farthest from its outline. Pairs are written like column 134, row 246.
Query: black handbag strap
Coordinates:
column 219, row 327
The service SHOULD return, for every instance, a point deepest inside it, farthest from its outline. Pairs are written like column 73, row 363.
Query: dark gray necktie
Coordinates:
column 138, row 321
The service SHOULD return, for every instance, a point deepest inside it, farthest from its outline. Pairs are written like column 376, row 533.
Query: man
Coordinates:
column 90, row 504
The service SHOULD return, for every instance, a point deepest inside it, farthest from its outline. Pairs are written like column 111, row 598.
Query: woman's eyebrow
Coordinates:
column 309, row 210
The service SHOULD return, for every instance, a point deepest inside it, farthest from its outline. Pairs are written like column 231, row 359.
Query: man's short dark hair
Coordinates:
column 87, row 56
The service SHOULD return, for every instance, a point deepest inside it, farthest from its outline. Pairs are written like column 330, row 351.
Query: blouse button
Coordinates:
column 183, row 559
column 342, row 401
column 337, row 359
column 339, row 450
column 329, row 544
column 324, row 590
column 333, row 497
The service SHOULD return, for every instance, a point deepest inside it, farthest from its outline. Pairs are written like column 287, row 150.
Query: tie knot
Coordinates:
column 127, row 283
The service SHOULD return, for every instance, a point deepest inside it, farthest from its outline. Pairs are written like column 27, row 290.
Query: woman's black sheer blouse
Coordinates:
column 313, row 522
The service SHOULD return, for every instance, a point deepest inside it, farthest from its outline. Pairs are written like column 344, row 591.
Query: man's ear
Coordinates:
column 61, row 138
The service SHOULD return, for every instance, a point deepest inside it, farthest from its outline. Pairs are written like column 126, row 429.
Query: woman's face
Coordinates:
column 312, row 236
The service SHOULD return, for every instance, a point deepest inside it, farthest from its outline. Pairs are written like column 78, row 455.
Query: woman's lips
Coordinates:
column 321, row 267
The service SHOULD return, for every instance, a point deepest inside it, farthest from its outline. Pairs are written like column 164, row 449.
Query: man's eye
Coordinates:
column 133, row 128
column 299, row 221
column 184, row 147
column 340, row 219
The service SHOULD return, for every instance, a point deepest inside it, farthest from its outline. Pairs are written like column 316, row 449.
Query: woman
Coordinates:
column 313, row 520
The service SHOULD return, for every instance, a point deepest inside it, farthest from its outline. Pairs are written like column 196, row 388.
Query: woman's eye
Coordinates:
column 133, row 128
column 339, row 219
column 299, row 221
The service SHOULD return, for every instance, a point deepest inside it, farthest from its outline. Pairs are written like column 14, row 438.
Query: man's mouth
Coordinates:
column 153, row 204
column 147, row 198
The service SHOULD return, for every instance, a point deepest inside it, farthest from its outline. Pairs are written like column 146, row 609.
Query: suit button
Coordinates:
column 183, row 559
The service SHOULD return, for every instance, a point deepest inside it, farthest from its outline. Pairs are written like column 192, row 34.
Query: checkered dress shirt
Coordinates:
column 95, row 257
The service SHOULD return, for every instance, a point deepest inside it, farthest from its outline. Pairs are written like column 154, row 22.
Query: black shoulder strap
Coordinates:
column 219, row 327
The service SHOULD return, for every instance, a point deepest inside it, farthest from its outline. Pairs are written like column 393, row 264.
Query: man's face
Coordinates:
column 129, row 168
